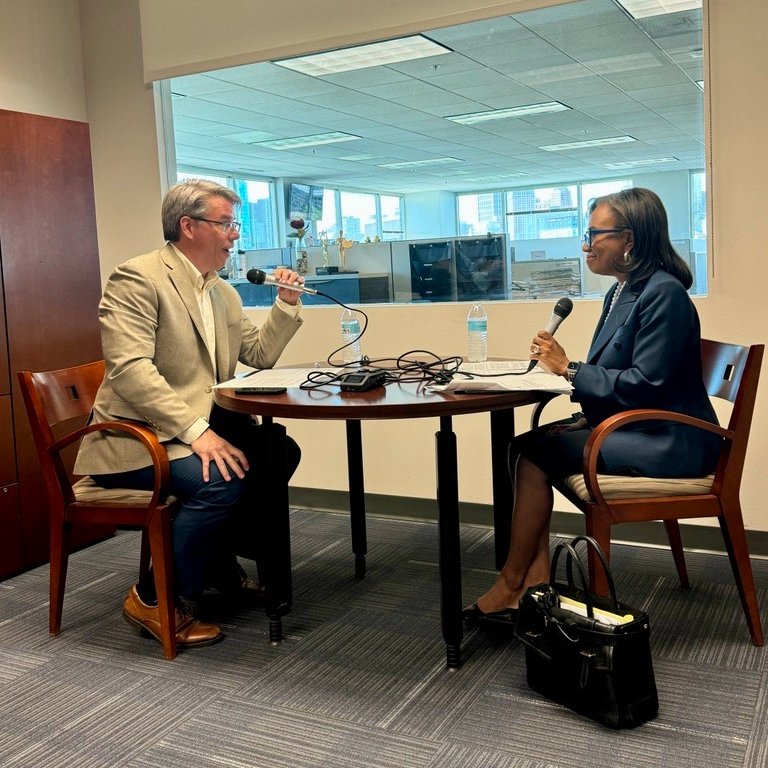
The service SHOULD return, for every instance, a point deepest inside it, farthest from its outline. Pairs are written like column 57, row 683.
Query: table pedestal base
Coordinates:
column 450, row 549
column 275, row 568
column 356, row 496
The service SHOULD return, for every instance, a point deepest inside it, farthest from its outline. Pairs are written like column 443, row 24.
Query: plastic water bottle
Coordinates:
column 477, row 334
column 350, row 331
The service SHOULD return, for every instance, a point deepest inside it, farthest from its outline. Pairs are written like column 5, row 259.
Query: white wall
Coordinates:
column 124, row 143
column 41, row 64
column 399, row 460
column 182, row 36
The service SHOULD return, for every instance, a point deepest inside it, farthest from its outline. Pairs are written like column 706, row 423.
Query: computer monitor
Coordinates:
column 298, row 201
column 305, row 201
column 316, row 203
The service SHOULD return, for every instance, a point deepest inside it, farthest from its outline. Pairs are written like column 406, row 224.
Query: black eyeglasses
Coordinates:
column 590, row 234
column 226, row 226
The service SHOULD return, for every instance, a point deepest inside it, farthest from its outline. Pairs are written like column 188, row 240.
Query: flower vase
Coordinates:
column 301, row 257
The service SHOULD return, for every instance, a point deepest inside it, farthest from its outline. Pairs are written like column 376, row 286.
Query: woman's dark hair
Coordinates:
column 643, row 212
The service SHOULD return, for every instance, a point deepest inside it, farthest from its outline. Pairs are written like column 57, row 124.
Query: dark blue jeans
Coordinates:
column 217, row 519
column 201, row 523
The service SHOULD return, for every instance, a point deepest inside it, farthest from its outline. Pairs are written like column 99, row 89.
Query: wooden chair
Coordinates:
column 53, row 400
column 731, row 372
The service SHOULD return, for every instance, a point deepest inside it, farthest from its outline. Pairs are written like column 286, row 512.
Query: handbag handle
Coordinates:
column 573, row 556
column 590, row 542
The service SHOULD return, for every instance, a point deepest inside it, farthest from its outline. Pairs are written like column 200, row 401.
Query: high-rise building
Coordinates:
column 352, row 228
column 490, row 211
column 522, row 225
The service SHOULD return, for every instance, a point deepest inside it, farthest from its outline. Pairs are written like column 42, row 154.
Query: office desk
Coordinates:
column 395, row 401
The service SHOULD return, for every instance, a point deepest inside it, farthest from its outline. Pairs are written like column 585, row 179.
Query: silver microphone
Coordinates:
column 260, row 277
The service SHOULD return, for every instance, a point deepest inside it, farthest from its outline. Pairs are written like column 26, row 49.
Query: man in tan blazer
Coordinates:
column 171, row 329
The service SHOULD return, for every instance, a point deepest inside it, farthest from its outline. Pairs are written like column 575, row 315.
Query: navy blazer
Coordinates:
column 647, row 354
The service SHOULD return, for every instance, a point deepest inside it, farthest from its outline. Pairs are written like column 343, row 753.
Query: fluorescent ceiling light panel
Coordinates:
column 591, row 143
column 639, row 9
column 363, row 56
column 499, row 176
column 471, row 118
column 637, row 163
column 295, row 142
column 419, row 163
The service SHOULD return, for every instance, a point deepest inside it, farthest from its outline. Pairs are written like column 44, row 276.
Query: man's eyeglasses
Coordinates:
column 226, row 226
column 590, row 234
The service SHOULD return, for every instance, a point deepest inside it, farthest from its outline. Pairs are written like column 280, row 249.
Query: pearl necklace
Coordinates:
column 615, row 296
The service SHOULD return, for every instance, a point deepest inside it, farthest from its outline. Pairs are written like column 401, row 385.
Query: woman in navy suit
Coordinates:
column 645, row 353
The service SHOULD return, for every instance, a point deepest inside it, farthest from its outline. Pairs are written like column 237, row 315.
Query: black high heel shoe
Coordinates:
column 507, row 617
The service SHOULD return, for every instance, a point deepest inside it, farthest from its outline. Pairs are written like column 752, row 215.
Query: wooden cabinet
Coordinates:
column 10, row 523
column 50, row 292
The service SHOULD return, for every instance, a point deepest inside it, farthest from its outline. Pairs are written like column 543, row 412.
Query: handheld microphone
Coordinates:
column 560, row 311
column 259, row 277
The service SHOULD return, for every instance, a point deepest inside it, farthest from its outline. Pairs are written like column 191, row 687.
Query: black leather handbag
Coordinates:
column 589, row 653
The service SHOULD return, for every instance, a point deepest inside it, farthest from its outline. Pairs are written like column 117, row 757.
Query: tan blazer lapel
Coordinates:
column 181, row 282
column 222, row 337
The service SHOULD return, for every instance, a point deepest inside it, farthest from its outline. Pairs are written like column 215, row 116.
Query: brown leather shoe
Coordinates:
column 190, row 632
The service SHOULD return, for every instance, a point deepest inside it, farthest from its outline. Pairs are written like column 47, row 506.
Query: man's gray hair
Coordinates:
column 190, row 198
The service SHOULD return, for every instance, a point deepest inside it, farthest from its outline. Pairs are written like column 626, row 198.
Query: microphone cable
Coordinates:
column 432, row 372
column 401, row 370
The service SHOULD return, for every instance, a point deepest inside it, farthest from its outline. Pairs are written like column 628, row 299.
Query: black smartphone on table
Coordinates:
column 261, row 390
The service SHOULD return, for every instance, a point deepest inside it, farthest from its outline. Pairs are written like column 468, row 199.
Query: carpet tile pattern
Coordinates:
column 359, row 680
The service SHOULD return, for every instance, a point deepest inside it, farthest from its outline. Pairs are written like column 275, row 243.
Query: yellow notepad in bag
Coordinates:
column 606, row 617
column 603, row 616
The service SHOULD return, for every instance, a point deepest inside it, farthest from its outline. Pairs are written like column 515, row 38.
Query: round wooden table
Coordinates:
column 394, row 401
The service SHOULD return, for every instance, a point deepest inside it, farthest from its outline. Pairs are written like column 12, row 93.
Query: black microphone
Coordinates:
column 259, row 277
column 560, row 311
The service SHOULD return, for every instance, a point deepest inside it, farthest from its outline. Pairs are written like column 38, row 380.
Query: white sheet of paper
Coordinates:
column 272, row 377
column 495, row 366
column 538, row 379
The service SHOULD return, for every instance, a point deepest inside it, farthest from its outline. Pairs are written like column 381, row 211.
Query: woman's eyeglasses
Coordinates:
column 590, row 234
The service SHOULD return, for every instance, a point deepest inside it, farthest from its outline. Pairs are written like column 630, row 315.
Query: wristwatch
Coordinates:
column 571, row 370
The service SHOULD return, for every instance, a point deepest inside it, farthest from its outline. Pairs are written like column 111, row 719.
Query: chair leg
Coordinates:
column 676, row 545
column 732, row 527
column 162, row 564
column 59, row 560
column 600, row 531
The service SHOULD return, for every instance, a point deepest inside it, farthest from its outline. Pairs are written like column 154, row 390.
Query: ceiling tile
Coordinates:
column 618, row 77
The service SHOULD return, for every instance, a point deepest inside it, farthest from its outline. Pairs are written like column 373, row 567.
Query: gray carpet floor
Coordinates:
column 360, row 678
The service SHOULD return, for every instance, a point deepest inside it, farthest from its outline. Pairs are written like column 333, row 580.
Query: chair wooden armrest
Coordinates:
column 138, row 430
column 603, row 430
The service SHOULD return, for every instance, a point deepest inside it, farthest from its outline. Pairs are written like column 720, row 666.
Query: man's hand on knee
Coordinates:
column 212, row 448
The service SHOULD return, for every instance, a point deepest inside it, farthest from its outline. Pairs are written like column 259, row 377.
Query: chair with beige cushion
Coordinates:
column 731, row 372
column 55, row 400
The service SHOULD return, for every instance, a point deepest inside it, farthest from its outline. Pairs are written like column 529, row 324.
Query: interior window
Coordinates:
column 502, row 129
